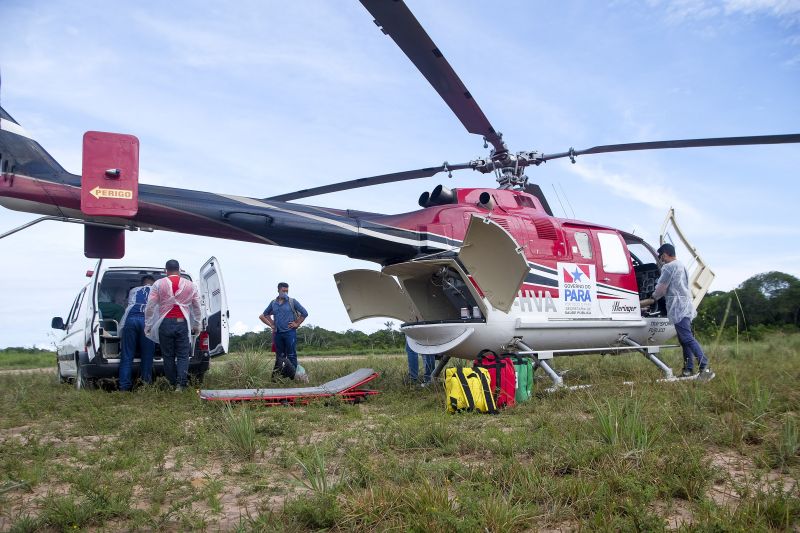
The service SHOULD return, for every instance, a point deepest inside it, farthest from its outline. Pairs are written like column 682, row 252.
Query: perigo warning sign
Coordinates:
column 110, row 177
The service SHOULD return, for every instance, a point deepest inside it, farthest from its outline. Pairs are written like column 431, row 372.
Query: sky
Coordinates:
column 258, row 98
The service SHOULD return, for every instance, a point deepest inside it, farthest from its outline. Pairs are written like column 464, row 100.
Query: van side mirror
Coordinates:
column 57, row 323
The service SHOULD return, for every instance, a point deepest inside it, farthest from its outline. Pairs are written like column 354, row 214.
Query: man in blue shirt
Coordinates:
column 284, row 315
column 134, row 339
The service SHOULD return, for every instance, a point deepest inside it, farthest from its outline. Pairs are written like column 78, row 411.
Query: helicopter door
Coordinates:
column 370, row 294
column 700, row 275
column 495, row 261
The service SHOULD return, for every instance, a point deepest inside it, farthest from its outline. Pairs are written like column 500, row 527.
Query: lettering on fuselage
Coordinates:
column 541, row 301
column 618, row 307
column 578, row 294
column 658, row 326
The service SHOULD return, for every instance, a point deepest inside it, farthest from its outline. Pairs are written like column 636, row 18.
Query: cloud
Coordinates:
column 240, row 328
column 686, row 11
column 787, row 10
column 649, row 193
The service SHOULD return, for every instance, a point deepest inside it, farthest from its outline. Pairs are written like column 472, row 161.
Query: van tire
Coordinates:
column 61, row 379
column 82, row 381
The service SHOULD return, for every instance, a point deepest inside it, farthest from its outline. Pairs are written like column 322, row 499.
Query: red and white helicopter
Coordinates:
column 471, row 269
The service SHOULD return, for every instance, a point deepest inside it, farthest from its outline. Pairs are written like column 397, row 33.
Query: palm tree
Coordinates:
column 390, row 326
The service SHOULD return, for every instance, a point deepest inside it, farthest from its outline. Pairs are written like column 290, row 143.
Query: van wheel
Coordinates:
column 82, row 382
column 61, row 379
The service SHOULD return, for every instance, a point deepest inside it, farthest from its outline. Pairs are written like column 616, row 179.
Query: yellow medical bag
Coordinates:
column 468, row 389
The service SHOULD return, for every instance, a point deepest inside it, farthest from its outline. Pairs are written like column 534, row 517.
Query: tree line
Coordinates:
column 316, row 339
column 765, row 301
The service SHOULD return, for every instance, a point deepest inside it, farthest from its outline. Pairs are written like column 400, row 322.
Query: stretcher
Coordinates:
column 347, row 388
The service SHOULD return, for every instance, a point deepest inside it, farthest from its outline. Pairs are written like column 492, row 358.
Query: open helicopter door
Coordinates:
column 700, row 275
column 215, row 307
column 369, row 294
column 109, row 188
column 494, row 260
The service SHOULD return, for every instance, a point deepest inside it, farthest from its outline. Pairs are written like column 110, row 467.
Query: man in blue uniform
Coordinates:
column 134, row 339
column 284, row 315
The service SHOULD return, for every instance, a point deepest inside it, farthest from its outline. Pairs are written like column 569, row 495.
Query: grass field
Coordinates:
column 12, row 359
column 721, row 456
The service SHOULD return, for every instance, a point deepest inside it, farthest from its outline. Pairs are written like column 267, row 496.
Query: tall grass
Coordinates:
column 239, row 428
column 608, row 458
column 315, row 475
column 786, row 448
column 620, row 422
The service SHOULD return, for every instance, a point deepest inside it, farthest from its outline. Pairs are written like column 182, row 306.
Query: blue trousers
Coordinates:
column 286, row 344
column 413, row 365
column 173, row 337
column 134, row 340
column 691, row 348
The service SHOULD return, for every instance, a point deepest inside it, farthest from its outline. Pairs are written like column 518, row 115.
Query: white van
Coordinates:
column 89, row 350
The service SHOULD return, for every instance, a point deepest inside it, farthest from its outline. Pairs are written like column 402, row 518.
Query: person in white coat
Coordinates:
column 171, row 317
column 673, row 284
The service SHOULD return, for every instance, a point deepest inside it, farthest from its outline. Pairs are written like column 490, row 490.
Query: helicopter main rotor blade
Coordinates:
column 396, row 20
column 683, row 143
column 366, row 182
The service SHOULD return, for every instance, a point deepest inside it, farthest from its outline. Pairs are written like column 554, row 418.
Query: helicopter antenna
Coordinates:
column 558, row 197
column 567, row 199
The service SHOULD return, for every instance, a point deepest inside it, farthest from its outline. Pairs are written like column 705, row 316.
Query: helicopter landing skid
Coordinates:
column 540, row 361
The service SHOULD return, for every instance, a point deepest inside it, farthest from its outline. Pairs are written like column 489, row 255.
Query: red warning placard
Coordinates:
column 110, row 179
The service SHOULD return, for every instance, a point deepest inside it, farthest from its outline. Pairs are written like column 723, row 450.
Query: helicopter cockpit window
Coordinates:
column 584, row 244
column 614, row 259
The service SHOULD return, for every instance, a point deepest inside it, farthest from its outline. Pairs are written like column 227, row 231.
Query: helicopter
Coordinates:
column 498, row 253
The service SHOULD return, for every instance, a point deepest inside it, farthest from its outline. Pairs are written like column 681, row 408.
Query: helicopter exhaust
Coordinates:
column 424, row 199
column 441, row 195
column 485, row 201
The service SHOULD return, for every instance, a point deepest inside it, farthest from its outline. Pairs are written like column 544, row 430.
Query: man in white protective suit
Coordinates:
column 171, row 317
column 674, row 285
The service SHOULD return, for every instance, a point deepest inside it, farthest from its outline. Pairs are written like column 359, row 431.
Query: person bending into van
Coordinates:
column 284, row 315
column 172, row 316
column 674, row 284
column 133, row 337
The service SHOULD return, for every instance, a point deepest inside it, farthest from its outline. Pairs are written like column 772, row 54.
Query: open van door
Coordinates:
column 92, row 325
column 215, row 307
column 700, row 275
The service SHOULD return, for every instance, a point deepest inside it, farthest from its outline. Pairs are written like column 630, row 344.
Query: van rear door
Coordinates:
column 214, row 303
column 92, row 324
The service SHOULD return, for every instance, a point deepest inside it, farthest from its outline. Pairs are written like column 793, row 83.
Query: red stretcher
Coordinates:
column 347, row 388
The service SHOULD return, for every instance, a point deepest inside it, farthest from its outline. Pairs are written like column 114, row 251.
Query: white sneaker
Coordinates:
column 706, row 375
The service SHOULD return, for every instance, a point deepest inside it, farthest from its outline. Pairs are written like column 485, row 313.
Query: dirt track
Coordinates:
column 313, row 359
column 14, row 371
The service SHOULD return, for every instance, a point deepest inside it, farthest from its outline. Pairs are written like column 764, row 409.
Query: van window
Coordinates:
column 614, row 259
column 76, row 307
column 584, row 244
